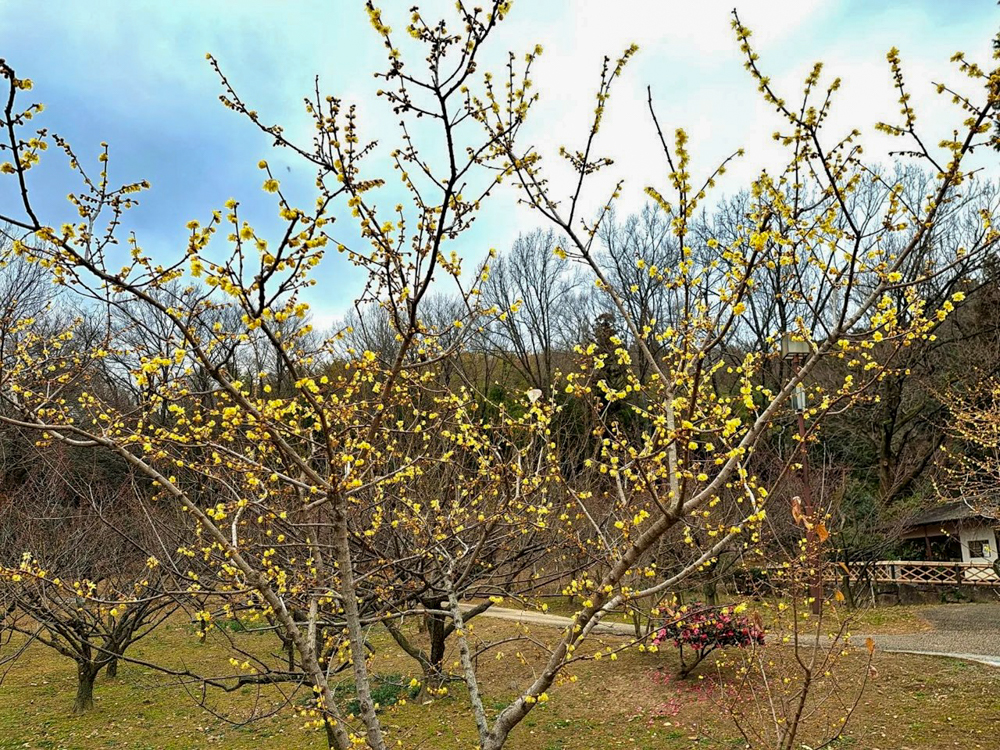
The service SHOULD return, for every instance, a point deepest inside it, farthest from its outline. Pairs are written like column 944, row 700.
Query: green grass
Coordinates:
column 387, row 690
column 922, row 703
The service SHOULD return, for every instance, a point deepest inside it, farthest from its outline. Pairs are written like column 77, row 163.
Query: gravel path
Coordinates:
column 960, row 631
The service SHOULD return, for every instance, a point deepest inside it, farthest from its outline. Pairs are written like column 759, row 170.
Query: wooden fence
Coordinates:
column 918, row 572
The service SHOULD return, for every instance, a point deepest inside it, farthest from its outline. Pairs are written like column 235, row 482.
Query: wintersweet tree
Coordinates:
column 313, row 501
column 972, row 459
column 91, row 622
column 805, row 691
column 74, row 572
column 703, row 408
column 289, row 493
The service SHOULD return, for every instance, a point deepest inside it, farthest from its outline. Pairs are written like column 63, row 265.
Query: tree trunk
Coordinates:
column 112, row 670
column 710, row 589
column 86, row 673
column 355, row 632
column 688, row 667
column 848, row 590
column 434, row 670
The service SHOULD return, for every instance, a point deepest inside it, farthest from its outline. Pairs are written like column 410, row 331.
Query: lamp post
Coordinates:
column 796, row 350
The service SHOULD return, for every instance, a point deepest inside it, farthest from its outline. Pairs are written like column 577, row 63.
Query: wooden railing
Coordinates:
column 918, row 572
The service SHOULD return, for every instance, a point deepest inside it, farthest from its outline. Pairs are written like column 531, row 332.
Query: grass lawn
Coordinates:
column 923, row 703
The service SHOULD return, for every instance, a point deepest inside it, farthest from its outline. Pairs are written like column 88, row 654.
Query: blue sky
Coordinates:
column 134, row 74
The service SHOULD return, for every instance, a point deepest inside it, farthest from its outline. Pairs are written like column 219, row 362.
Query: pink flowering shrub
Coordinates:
column 703, row 628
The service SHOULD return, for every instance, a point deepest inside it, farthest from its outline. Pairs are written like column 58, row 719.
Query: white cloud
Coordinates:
column 690, row 59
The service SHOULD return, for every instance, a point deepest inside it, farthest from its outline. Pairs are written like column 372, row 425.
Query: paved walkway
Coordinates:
column 529, row 617
column 960, row 631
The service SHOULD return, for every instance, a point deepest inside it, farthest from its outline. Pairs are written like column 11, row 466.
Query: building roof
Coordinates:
column 955, row 511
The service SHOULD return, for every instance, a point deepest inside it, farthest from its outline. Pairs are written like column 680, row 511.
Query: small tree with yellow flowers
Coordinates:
column 90, row 622
column 804, row 688
column 703, row 407
column 285, row 490
column 972, row 459
column 74, row 571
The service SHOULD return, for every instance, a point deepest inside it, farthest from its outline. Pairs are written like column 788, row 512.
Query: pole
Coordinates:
column 812, row 550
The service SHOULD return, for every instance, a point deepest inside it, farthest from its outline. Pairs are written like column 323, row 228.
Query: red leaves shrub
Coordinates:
column 704, row 628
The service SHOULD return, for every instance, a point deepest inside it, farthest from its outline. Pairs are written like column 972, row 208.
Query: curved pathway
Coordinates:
column 959, row 631
column 530, row 617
